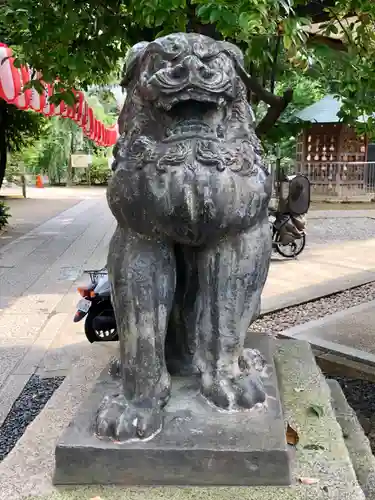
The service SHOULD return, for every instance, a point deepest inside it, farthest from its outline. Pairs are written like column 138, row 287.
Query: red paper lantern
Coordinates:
column 24, row 99
column 12, row 82
column 79, row 106
column 49, row 108
column 10, row 78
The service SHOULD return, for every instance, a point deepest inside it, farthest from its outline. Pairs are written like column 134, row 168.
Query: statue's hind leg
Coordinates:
column 232, row 274
column 142, row 274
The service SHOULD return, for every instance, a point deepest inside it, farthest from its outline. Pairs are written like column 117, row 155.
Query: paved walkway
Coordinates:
column 39, row 272
column 319, row 271
column 40, row 206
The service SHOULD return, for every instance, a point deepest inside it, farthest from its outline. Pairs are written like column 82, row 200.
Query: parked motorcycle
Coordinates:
column 288, row 221
column 290, row 245
column 95, row 305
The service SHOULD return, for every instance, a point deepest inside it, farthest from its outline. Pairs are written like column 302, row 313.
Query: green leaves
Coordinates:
column 83, row 42
column 23, row 127
column 4, row 215
column 316, row 410
column 287, row 6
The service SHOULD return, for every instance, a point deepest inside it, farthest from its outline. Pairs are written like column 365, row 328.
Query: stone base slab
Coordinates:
column 199, row 444
column 342, row 465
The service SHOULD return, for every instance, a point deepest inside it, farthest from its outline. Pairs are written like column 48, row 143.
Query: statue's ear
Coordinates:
column 132, row 59
column 234, row 52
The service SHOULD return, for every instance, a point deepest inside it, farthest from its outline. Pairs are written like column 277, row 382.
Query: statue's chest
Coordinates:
column 185, row 201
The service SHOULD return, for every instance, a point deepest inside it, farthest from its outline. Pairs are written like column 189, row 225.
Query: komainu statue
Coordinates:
column 191, row 251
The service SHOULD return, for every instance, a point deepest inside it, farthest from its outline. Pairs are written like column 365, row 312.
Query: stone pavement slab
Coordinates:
column 319, row 271
column 321, row 453
column 26, row 214
column 272, row 302
column 355, row 439
column 341, row 214
column 37, row 272
column 10, row 392
column 350, row 333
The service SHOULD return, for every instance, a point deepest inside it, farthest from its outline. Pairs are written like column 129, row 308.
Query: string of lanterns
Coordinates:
column 12, row 82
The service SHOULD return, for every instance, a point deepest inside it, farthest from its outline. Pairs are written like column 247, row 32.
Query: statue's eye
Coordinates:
column 157, row 62
column 172, row 46
column 220, row 63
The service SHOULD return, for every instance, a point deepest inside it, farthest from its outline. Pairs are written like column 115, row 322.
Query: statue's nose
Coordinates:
column 192, row 67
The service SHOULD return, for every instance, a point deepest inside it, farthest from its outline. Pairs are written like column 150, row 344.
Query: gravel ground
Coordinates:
column 29, row 404
column 360, row 395
column 323, row 231
column 297, row 315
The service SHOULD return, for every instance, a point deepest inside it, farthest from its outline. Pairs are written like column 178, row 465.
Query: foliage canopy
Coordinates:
column 82, row 41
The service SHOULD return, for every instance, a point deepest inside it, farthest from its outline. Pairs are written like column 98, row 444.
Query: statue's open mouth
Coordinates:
column 195, row 118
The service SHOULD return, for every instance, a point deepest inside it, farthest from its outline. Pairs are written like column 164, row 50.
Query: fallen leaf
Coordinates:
column 308, row 480
column 317, row 410
column 292, row 437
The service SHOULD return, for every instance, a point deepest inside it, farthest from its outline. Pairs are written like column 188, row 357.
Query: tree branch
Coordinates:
column 273, row 113
column 277, row 104
column 274, row 65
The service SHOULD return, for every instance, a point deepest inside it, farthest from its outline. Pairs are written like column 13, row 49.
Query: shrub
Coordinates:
column 13, row 170
column 4, row 214
column 99, row 170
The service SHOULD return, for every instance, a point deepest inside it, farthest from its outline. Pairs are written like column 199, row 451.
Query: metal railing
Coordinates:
column 343, row 179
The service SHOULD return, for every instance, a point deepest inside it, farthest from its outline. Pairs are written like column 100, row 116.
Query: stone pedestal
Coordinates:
column 199, row 444
column 332, row 451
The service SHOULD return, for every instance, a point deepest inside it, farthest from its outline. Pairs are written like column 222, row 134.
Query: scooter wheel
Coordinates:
column 93, row 335
column 292, row 250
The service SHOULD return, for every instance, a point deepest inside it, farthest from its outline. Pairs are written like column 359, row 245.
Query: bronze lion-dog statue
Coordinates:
column 191, row 252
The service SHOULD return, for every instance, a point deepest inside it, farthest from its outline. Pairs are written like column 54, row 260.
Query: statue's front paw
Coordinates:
column 250, row 360
column 249, row 391
column 119, row 420
column 238, row 393
column 241, row 389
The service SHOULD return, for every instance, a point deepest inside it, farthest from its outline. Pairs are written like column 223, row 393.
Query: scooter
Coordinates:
column 288, row 222
column 95, row 305
column 290, row 245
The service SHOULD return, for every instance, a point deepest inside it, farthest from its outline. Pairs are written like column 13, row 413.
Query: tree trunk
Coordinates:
column 3, row 141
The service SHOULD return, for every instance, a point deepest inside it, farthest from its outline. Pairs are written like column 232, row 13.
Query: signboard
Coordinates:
column 80, row 160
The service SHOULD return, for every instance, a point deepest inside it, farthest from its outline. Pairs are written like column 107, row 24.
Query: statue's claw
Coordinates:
column 241, row 390
column 121, row 421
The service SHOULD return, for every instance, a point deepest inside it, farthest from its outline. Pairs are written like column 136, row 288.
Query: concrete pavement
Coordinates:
column 39, row 273
column 349, row 333
column 40, row 206
column 319, row 271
